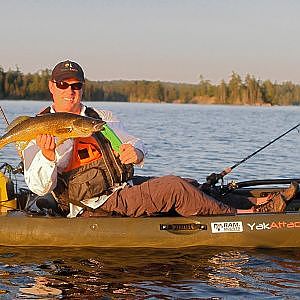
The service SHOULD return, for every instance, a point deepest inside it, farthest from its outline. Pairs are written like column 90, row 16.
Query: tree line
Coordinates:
column 248, row 91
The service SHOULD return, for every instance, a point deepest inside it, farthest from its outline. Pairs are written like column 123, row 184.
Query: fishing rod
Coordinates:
column 3, row 116
column 213, row 178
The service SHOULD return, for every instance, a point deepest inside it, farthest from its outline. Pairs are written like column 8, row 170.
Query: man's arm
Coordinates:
column 46, row 143
column 130, row 155
column 42, row 163
column 133, row 149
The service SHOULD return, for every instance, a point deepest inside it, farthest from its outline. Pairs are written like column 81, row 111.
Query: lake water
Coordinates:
column 186, row 140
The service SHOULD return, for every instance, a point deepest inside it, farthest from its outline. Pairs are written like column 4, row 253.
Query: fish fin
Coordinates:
column 17, row 121
column 63, row 130
column 60, row 140
column 21, row 145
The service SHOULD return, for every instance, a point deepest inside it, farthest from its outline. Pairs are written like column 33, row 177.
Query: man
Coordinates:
column 90, row 176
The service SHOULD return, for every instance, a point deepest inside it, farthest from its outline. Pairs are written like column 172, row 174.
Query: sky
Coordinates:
column 166, row 40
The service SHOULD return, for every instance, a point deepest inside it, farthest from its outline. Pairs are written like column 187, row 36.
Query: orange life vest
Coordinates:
column 85, row 150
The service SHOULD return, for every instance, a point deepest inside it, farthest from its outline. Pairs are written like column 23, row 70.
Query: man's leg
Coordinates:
column 163, row 194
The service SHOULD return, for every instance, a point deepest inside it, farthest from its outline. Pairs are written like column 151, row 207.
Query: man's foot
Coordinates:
column 289, row 193
column 276, row 204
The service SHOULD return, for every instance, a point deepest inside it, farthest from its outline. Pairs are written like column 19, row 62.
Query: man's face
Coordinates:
column 67, row 99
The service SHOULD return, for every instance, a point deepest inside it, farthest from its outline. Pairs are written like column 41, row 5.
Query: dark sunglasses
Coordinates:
column 64, row 85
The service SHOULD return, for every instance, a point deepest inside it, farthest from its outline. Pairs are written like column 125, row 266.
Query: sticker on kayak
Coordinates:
column 222, row 227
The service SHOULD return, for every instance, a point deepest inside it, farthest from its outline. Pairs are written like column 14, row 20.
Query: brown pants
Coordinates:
column 161, row 195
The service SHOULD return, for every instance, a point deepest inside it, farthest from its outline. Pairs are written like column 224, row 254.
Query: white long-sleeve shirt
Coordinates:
column 41, row 174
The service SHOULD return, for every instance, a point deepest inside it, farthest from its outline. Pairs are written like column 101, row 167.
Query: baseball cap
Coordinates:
column 66, row 70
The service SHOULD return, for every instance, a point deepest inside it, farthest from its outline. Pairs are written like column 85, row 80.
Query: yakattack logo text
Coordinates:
column 221, row 227
column 273, row 225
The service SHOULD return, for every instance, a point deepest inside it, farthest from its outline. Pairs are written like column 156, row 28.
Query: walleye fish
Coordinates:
column 61, row 125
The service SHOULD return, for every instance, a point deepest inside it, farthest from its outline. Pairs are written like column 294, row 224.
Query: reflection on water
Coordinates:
column 227, row 268
column 39, row 289
column 35, row 273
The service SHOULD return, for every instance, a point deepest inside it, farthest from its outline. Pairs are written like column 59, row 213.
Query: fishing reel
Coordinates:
column 212, row 189
column 228, row 188
column 214, row 178
column 209, row 187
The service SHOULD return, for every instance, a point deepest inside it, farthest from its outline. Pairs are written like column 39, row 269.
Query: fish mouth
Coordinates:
column 98, row 126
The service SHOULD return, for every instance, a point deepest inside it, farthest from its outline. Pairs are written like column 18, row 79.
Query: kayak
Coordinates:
column 259, row 230
column 248, row 230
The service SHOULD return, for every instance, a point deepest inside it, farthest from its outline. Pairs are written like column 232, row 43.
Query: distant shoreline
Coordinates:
column 237, row 91
column 161, row 102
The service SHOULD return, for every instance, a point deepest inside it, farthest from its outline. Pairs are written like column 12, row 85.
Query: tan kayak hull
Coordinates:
column 250, row 230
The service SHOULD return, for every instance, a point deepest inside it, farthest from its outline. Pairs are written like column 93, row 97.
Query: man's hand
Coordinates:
column 47, row 144
column 130, row 155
